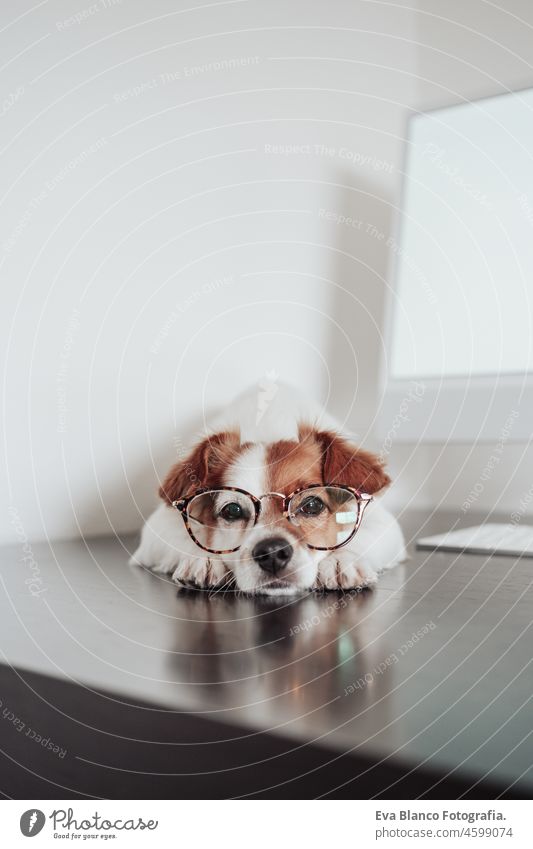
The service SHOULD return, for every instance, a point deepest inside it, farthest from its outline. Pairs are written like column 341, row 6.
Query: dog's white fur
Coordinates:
column 166, row 547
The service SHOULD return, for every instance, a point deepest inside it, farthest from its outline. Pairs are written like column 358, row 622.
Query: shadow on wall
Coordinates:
column 356, row 220
column 361, row 258
column 362, row 223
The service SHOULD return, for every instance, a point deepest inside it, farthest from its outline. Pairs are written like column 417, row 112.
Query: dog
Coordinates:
column 273, row 499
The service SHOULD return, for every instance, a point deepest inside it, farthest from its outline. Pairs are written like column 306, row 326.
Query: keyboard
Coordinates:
column 506, row 539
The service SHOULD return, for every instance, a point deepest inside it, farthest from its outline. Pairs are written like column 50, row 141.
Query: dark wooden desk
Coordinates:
column 147, row 691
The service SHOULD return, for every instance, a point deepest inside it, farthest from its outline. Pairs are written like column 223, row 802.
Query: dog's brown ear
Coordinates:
column 344, row 463
column 204, row 466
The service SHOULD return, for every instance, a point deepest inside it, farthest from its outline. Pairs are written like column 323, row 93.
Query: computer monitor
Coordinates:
column 459, row 329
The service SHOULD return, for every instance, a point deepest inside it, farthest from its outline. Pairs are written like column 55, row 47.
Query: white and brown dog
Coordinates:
column 271, row 501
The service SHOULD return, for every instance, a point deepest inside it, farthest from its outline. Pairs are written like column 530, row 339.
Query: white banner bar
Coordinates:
column 258, row 823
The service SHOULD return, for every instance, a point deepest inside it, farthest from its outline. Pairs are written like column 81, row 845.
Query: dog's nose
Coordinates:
column 272, row 554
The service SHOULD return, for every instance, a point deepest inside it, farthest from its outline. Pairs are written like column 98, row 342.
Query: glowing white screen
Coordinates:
column 463, row 291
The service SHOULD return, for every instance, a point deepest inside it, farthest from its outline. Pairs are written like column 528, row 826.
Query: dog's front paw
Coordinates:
column 341, row 570
column 200, row 573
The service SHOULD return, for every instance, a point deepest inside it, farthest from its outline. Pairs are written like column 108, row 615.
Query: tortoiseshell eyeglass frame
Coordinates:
column 362, row 498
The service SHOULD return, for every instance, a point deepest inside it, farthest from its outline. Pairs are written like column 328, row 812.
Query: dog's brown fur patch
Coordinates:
column 205, row 466
column 291, row 465
column 344, row 463
column 318, row 457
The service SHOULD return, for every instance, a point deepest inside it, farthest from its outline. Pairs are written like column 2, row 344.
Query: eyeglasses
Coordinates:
column 327, row 516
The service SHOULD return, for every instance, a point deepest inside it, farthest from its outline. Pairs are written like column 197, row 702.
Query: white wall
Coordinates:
column 163, row 243
column 162, row 239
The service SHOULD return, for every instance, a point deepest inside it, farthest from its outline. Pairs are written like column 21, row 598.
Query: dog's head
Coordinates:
column 267, row 550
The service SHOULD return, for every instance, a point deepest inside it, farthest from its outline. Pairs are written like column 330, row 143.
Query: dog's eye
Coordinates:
column 311, row 506
column 232, row 512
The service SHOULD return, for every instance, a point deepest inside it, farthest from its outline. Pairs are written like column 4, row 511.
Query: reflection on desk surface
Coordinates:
column 434, row 664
